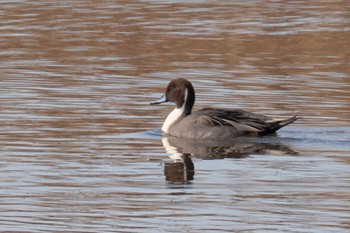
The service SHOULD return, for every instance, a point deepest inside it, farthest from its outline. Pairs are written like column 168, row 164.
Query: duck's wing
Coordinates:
column 242, row 120
column 239, row 119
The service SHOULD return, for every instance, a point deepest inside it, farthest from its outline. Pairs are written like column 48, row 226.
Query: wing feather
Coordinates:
column 239, row 119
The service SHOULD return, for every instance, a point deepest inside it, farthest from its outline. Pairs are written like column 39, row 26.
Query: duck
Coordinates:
column 211, row 123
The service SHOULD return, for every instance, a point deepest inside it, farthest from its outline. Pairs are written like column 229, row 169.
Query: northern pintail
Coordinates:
column 211, row 123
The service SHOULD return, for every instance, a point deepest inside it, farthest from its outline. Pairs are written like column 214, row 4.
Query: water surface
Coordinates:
column 81, row 149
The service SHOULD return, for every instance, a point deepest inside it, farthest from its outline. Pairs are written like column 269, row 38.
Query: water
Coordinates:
column 80, row 146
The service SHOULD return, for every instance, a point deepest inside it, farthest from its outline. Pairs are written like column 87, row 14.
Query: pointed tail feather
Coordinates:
column 277, row 124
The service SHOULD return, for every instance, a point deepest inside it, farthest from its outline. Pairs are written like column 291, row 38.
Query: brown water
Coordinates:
column 81, row 149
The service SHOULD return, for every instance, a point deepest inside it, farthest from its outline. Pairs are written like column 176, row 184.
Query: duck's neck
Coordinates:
column 176, row 115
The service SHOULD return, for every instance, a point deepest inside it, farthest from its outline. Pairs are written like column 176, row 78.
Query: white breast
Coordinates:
column 174, row 116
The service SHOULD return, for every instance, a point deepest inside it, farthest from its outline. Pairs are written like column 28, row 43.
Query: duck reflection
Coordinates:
column 182, row 150
column 181, row 170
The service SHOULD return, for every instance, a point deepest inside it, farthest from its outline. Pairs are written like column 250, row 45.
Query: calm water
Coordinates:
column 80, row 147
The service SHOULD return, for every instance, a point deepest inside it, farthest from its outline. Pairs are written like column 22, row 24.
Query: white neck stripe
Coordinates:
column 175, row 115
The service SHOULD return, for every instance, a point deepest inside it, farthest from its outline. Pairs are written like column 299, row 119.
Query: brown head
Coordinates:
column 181, row 92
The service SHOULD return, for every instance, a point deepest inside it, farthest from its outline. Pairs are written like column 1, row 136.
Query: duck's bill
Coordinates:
column 161, row 100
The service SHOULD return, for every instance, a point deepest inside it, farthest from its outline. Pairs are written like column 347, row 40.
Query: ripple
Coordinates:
column 81, row 148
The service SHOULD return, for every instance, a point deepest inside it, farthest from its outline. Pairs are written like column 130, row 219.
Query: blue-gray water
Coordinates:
column 80, row 148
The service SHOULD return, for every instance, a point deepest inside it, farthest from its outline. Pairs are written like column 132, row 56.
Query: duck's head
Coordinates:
column 181, row 92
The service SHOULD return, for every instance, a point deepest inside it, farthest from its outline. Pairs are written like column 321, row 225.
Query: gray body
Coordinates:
column 224, row 123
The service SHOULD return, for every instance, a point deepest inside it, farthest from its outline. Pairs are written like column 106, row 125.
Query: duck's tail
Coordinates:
column 275, row 125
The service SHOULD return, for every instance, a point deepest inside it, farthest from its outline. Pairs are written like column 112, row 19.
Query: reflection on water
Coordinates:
column 76, row 153
column 237, row 148
column 182, row 169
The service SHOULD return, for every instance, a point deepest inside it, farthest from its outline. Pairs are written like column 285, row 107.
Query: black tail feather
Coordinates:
column 276, row 125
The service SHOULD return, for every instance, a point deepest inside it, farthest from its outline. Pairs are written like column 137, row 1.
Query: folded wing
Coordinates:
column 241, row 120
